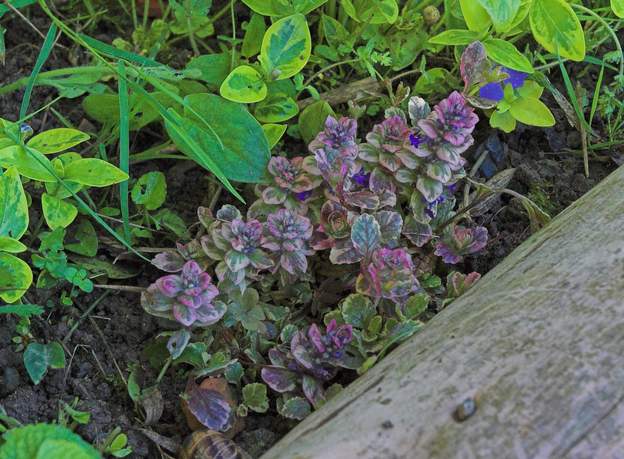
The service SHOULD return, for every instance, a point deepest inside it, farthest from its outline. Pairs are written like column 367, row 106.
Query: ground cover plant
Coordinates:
column 250, row 203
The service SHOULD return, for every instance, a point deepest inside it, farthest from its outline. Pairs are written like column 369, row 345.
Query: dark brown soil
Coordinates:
column 102, row 350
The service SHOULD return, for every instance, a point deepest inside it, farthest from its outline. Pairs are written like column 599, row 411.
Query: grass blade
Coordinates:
column 48, row 43
column 595, row 99
column 124, row 148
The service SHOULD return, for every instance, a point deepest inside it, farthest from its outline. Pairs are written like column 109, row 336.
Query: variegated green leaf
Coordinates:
column 56, row 140
column 31, row 164
column 556, row 27
column 58, row 213
column 502, row 12
column 286, row 47
column 13, row 205
column 274, row 133
column 244, row 85
column 16, row 277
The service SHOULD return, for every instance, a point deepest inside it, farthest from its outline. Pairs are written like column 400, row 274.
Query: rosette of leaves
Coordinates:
column 458, row 283
column 312, row 359
column 459, row 241
column 375, row 331
column 186, row 297
column 335, row 149
column 287, row 239
column 237, row 245
column 334, row 225
column 291, row 181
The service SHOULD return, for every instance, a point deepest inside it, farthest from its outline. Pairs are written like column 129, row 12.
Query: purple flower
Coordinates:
column 494, row 91
column 296, row 175
column 362, row 178
column 304, row 195
column 186, row 297
column 415, row 140
column 460, row 241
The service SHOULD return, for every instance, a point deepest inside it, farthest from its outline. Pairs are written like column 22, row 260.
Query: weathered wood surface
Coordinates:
column 541, row 341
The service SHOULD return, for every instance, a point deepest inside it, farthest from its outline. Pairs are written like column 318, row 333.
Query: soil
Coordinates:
column 105, row 346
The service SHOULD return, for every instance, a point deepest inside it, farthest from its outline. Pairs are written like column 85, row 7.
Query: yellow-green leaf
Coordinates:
column 506, row 54
column 244, row 85
column 16, row 277
column 13, row 205
column 94, row 172
column 455, row 37
column 532, row 112
column 502, row 12
column 31, row 164
column 286, row 47
column 8, row 244
column 273, row 133
column 56, row 140
column 58, row 213
column 476, row 17
column 618, row 7
column 556, row 27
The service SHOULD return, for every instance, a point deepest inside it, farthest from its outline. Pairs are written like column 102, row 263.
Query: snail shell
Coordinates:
column 208, row 444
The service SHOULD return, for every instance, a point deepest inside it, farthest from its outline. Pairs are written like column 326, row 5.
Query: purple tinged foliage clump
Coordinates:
column 390, row 275
column 287, row 239
column 312, row 359
column 460, row 241
column 186, row 297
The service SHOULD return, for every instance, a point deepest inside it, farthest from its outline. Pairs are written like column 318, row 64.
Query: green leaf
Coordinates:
column 357, row 310
column 244, row 85
column 274, row 133
column 8, row 244
column 276, row 108
column 94, row 172
column 295, row 408
column 39, row 357
column 237, row 143
column 372, row 11
column 13, row 205
column 214, row 68
column 502, row 12
column 45, row 441
column 86, row 240
column 150, row 190
column 532, row 112
column 416, row 305
column 26, row 163
column 557, row 29
column 503, row 121
column 506, row 54
column 286, row 47
column 255, row 397
column 22, row 310
column 476, row 17
column 16, row 4
column 335, row 33
column 253, row 36
column 58, row 213
column 16, row 277
column 434, row 80
column 455, row 37
column 56, row 140
column 312, row 119
column 618, row 8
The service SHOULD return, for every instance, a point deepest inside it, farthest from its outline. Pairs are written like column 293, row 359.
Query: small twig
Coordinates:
column 24, row 18
column 121, row 288
column 108, row 349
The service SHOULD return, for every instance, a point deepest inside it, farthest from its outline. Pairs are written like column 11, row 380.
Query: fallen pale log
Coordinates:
column 538, row 342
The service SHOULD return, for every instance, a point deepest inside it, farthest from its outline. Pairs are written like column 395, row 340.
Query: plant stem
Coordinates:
column 54, row 73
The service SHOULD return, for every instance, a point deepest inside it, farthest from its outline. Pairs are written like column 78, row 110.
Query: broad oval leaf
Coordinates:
column 244, row 85
column 372, row 11
column 286, row 47
column 276, row 109
column 281, row 8
column 39, row 357
column 274, row 133
column 618, row 7
column 56, row 140
column 532, row 112
column 16, row 277
column 10, row 245
column 502, row 12
column 312, row 119
column 476, row 17
column 214, row 68
column 455, row 37
column 150, row 190
column 57, row 212
column 253, row 36
column 38, row 441
column 31, row 164
column 13, row 205
column 556, row 27
column 506, row 54
column 365, row 234
column 94, row 172
column 235, row 141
